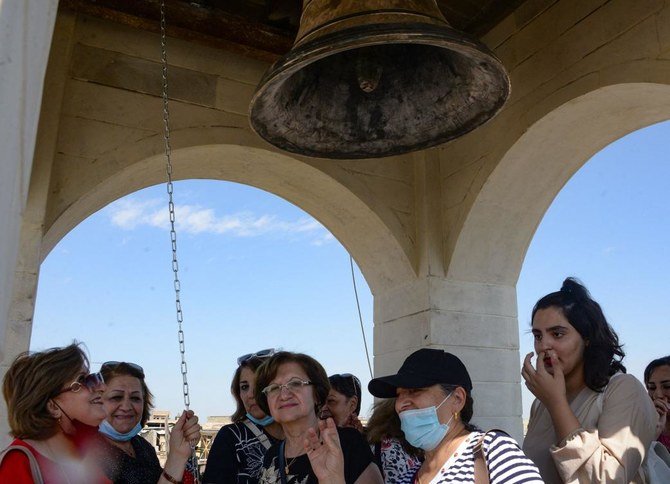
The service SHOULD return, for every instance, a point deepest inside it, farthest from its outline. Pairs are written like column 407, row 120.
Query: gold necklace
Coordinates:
column 289, row 463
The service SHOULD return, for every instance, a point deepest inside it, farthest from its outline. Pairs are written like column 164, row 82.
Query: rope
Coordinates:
column 360, row 316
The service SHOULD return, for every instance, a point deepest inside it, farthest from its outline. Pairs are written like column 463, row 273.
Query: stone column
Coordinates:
column 476, row 322
column 26, row 28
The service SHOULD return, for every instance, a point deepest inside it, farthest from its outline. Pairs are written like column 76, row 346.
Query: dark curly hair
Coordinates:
column 603, row 353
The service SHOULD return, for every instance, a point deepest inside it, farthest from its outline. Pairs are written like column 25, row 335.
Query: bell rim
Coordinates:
column 415, row 33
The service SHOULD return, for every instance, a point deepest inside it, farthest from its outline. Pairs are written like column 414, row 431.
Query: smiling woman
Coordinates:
column 54, row 407
column 123, row 454
column 292, row 387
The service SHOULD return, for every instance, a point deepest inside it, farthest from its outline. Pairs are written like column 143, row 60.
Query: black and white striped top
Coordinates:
column 506, row 463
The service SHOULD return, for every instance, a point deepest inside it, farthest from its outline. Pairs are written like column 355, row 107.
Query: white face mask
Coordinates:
column 422, row 426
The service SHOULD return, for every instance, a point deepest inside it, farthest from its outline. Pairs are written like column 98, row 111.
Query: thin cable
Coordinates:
column 360, row 316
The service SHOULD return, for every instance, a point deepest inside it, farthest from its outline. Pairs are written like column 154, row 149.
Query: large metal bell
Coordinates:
column 376, row 78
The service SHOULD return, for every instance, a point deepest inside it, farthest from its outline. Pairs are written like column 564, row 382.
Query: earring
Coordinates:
column 456, row 415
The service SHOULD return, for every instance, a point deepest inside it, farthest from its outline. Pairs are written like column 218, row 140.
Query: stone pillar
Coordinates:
column 476, row 322
column 26, row 28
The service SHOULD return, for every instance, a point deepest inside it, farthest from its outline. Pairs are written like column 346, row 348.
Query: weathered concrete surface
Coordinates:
column 25, row 38
column 440, row 235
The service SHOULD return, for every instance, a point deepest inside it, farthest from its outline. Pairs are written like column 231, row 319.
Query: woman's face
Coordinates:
column 658, row 385
column 83, row 405
column 416, row 398
column 555, row 336
column 246, row 389
column 339, row 407
column 291, row 405
column 124, row 402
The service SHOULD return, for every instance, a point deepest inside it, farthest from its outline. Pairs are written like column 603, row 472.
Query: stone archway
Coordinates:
column 352, row 222
column 500, row 225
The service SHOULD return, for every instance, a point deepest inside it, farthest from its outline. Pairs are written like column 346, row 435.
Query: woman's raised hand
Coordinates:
column 185, row 434
column 662, row 408
column 546, row 387
column 324, row 452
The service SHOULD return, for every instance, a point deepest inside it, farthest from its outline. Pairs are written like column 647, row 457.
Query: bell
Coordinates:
column 376, row 78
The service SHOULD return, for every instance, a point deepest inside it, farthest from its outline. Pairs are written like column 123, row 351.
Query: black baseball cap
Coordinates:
column 423, row 368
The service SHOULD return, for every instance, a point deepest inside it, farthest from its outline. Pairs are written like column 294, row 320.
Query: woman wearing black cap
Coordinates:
column 434, row 403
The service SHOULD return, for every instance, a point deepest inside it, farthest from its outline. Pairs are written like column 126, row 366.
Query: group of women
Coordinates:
column 72, row 426
column 590, row 422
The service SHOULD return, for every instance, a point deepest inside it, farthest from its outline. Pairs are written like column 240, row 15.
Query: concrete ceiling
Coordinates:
column 263, row 29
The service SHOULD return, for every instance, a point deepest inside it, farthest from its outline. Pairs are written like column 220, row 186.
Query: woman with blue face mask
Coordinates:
column 434, row 403
column 238, row 449
column 124, row 456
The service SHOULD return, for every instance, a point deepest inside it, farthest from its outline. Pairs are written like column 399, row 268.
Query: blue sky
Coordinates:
column 258, row 272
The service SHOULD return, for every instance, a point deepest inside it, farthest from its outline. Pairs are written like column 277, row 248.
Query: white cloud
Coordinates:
column 129, row 214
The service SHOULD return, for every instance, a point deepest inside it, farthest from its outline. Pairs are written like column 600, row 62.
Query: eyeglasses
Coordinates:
column 259, row 354
column 112, row 365
column 92, row 381
column 293, row 386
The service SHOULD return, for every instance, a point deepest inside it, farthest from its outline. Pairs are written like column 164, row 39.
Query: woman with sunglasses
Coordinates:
column 124, row 456
column 590, row 422
column 54, row 407
column 238, row 449
column 292, row 387
column 344, row 401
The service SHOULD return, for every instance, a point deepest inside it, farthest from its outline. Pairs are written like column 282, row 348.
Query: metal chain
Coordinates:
column 170, row 189
column 173, row 232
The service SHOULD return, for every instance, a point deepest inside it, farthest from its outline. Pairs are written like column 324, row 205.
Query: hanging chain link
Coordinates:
column 173, row 232
column 170, row 189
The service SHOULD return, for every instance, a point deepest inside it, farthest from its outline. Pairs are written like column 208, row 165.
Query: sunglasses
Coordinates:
column 112, row 365
column 92, row 381
column 259, row 354
column 355, row 382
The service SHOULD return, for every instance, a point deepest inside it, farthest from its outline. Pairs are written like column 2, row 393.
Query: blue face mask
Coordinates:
column 267, row 420
column 107, row 429
column 422, row 427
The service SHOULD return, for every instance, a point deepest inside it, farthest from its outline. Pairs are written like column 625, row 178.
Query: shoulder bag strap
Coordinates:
column 34, row 466
column 481, row 467
column 260, row 435
column 282, row 462
column 481, row 470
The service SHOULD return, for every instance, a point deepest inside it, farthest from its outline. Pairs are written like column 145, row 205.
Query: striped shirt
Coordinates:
column 506, row 463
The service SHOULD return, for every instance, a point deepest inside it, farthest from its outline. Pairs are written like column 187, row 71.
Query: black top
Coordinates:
column 123, row 469
column 236, row 456
column 357, row 457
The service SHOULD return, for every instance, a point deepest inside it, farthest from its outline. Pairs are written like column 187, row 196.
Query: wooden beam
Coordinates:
column 203, row 25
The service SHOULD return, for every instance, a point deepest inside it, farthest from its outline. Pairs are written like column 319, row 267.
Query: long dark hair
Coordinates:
column 665, row 361
column 603, row 352
column 240, row 412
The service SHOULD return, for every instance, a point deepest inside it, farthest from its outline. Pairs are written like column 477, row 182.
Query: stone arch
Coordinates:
column 502, row 221
column 372, row 244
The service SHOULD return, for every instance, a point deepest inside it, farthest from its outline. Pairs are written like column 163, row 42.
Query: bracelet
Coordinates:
column 171, row 479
